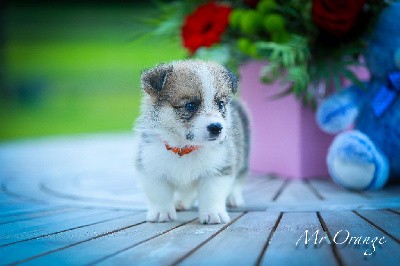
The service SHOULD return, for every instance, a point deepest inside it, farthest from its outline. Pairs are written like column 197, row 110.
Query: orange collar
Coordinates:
column 181, row 151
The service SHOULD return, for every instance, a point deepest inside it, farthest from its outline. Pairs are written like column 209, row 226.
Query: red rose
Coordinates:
column 337, row 17
column 205, row 26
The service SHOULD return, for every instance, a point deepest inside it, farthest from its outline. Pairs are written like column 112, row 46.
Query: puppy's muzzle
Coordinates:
column 215, row 130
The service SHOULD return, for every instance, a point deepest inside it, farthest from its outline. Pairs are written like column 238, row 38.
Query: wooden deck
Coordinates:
column 74, row 201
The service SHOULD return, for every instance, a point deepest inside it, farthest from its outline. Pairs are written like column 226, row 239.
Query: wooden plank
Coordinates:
column 94, row 187
column 336, row 199
column 253, row 180
column 11, row 233
column 24, row 187
column 100, row 248
column 339, row 205
column 3, row 197
column 240, row 243
column 169, row 247
column 12, row 205
column 386, row 220
column 330, row 191
column 100, row 188
column 297, row 191
column 19, row 206
column 258, row 195
column 282, row 249
column 391, row 191
column 251, row 184
column 35, row 215
column 353, row 254
column 36, row 209
column 25, row 251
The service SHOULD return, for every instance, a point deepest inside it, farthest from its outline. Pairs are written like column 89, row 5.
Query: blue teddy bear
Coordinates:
column 366, row 157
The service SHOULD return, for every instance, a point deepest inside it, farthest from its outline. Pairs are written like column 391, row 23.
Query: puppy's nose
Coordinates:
column 214, row 129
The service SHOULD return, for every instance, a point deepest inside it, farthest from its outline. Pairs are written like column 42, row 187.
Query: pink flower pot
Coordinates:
column 285, row 137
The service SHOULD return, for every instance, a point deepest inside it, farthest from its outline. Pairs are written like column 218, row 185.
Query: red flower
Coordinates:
column 337, row 17
column 205, row 26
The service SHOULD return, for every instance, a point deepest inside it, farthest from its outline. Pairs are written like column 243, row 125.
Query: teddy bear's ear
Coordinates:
column 232, row 80
column 153, row 80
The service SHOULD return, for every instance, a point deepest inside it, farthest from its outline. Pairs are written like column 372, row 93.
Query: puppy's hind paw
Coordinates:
column 235, row 201
column 214, row 217
column 181, row 206
column 161, row 216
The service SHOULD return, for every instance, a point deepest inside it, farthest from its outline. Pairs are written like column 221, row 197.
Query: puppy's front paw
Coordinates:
column 214, row 217
column 161, row 216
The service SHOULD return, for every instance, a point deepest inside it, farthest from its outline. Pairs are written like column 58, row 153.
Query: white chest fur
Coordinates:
column 158, row 162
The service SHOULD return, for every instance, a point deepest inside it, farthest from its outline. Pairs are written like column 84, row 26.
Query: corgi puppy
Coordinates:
column 194, row 140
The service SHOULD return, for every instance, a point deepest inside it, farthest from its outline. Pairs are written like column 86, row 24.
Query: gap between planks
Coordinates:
column 280, row 190
column 141, row 242
column 260, row 258
column 207, row 240
column 313, row 189
column 394, row 211
column 339, row 260
column 65, row 230
column 30, row 211
column 377, row 227
column 36, row 215
column 74, row 244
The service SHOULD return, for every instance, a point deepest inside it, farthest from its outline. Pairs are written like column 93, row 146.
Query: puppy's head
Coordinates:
column 188, row 100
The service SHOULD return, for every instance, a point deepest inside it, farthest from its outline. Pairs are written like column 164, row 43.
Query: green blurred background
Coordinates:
column 74, row 67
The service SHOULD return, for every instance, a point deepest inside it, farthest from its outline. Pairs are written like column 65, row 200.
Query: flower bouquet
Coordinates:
column 306, row 43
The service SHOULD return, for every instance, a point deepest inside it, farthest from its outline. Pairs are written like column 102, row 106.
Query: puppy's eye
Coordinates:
column 221, row 105
column 191, row 106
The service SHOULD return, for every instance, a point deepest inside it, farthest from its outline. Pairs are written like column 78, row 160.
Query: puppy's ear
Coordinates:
column 232, row 81
column 153, row 80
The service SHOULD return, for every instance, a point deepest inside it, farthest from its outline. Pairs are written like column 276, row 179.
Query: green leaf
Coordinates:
column 337, row 82
column 353, row 78
column 270, row 72
column 281, row 94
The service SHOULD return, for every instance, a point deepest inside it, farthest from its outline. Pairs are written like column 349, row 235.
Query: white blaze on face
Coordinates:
column 208, row 87
column 209, row 112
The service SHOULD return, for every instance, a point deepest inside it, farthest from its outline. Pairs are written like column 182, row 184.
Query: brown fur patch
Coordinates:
column 182, row 86
column 184, row 83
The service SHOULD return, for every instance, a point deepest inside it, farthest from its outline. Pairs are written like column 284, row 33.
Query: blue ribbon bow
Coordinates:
column 386, row 94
